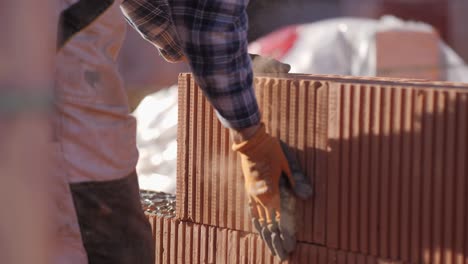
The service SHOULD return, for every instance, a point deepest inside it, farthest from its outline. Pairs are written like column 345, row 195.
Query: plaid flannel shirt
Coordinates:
column 212, row 35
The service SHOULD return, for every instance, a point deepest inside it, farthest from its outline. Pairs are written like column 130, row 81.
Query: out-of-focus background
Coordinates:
column 25, row 105
column 395, row 38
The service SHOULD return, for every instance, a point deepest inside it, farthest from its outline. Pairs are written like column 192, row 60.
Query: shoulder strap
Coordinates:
column 79, row 15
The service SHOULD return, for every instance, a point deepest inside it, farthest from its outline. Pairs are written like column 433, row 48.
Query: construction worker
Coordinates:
column 100, row 219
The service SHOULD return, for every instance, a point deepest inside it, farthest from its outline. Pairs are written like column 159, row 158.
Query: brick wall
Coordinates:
column 386, row 157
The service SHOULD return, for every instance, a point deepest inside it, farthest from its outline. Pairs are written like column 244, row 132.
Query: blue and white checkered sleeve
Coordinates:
column 152, row 19
column 213, row 34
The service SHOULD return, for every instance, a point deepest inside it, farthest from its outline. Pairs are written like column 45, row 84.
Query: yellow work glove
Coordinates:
column 269, row 181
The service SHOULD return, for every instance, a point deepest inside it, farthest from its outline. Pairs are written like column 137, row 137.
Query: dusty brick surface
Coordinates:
column 210, row 181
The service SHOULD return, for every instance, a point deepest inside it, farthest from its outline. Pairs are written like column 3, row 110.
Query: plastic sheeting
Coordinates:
column 156, row 140
column 343, row 46
column 346, row 46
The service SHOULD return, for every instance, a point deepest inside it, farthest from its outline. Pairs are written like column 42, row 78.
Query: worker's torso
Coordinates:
column 95, row 132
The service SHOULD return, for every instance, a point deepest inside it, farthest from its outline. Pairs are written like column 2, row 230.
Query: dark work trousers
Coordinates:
column 113, row 226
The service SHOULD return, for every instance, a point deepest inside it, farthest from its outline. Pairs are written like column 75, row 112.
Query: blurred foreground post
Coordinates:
column 27, row 47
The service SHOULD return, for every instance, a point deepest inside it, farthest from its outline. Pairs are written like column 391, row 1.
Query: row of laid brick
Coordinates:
column 386, row 157
column 188, row 243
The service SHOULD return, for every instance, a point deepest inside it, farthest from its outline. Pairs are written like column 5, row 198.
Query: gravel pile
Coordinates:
column 158, row 203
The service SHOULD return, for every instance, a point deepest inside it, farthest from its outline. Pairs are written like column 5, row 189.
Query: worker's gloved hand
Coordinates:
column 269, row 182
column 262, row 64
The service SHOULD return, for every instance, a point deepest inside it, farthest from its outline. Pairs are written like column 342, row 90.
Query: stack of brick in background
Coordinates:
column 386, row 158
